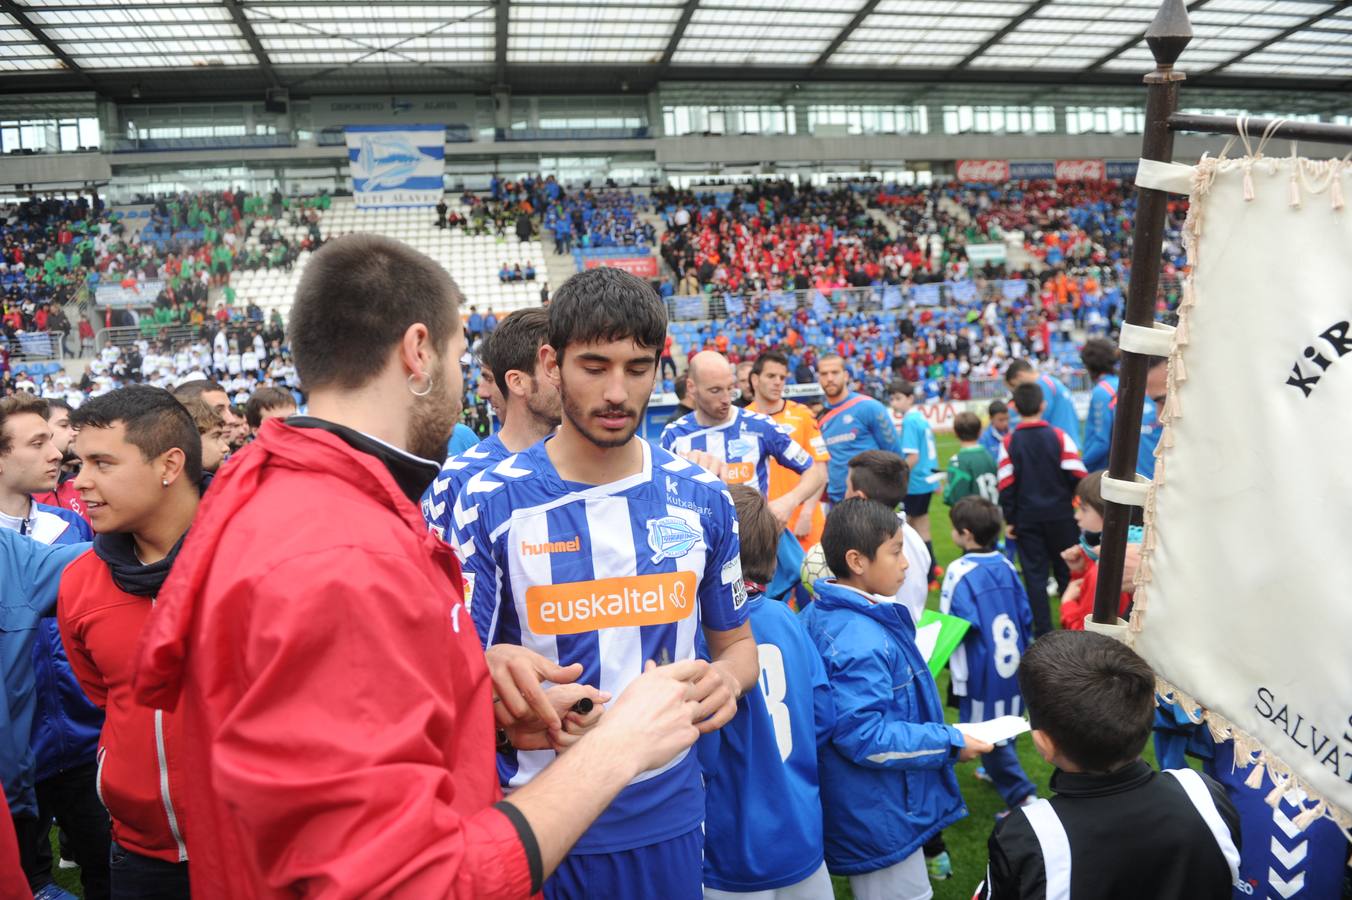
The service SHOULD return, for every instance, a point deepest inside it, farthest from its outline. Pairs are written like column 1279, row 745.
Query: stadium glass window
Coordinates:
column 1104, row 120
column 681, row 120
column 999, row 120
column 851, row 119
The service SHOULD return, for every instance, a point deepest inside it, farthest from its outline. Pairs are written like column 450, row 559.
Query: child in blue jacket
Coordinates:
column 887, row 781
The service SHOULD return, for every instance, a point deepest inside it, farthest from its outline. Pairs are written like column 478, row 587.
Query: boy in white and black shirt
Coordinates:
column 1115, row 828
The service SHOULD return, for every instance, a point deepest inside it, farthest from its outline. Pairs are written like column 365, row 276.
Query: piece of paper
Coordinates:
column 994, row 731
column 936, row 637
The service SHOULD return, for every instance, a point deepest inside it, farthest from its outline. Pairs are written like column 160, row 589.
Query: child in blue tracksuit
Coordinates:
column 887, row 781
column 984, row 588
column 763, row 813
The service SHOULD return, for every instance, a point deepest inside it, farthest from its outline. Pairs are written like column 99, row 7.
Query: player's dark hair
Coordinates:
column 856, row 524
column 264, row 399
column 359, row 294
column 901, row 386
column 996, row 408
column 606, row 304
column 193, row 390
column 978, row 516
column 154, row 421
column 1091, row 694
column 967, row 426
column 1156, row 362
column 880, row 475
column 515, row 345
column 759, row 532
column 769, row 356
column 1015, row 368
column 682, row 385
column 58, row 403
column 1028, row 399
column 1089, row 491
column 1099, row 356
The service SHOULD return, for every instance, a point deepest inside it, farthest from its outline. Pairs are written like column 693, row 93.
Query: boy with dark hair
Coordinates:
column 881, row 476
column 1099, row 356
column 971, row 471
column 996, row 429
column 63, row 436
column 1039, row 466
column 1115, row 828
column 983, row 588
column 763, row 817
column 889, row 718
column 141, row 463
column 268, row 403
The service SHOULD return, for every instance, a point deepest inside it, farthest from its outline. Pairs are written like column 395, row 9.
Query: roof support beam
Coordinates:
column 1133, row 41
column 1002, row 33
column 236, row 8
column 845, row 33
column 500, row 41
column 52, row 46
column 1263, row 45
column 678, row 32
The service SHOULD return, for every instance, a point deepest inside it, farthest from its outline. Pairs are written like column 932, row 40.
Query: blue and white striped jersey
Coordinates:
column 746, row 443
column 985, row 589
column 438, row 501
column 608, row 576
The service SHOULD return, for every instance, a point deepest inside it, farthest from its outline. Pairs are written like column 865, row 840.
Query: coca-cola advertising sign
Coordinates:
column 989, row 171
column 1080, row 170
column 642, row 266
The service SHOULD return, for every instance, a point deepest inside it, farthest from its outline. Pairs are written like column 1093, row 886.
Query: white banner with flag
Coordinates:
column 396, row 165
column 1244, row 605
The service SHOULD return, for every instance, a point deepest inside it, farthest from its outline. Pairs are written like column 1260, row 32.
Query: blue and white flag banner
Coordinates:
column 396, row 165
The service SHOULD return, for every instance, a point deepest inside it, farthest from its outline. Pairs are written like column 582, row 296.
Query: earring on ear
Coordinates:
column 164, row 482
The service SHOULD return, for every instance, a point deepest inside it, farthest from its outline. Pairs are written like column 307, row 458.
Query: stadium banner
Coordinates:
column 128, row 293
column 1031, row 171
column 1080, row 170
column 1125, row 169
column 1242, row 602
column 642, row 266
column 396, row 165
column 986, row 171
column 980, row 254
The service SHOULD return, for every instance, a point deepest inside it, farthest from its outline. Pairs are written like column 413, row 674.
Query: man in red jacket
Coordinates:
column 141, row 464
column 337, row 709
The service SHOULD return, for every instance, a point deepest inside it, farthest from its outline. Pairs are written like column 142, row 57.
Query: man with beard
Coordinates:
column 529, row 411
column 64, row 494
column 337, row 711
column 851, row 423
column 769, row 374
column 599, row 550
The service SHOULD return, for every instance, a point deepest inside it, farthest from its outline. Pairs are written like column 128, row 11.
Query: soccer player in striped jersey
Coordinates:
column 744, row 441
column 595, row 548
column 983, row 587
column 1060, row 411
column 769, row 374
column 529, row 409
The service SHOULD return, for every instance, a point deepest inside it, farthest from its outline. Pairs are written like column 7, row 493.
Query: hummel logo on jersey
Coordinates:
column 571, row 545
column 671, row 538
column 610, row 603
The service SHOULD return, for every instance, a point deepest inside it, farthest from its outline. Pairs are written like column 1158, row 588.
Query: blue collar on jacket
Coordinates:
column 832, row 596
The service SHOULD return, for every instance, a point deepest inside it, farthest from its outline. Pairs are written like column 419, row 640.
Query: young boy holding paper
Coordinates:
column 887, row 781
column 983, row 588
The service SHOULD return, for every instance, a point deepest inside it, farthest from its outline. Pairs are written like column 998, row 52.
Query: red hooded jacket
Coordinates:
column 334, row 699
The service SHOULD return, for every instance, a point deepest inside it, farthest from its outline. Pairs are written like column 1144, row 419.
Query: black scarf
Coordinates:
column 412, row 474
column 118, row 552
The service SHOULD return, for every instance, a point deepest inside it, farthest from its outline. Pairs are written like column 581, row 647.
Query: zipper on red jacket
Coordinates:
column 163, row 759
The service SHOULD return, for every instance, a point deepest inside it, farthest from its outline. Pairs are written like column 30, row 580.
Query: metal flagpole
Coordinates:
column 1167, row 36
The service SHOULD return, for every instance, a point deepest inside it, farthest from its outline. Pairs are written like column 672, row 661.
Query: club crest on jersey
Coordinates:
column 847, row 418
column 739, row 447
column 671, row 538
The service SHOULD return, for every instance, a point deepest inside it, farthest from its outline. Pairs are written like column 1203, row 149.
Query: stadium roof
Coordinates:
column 211, row 48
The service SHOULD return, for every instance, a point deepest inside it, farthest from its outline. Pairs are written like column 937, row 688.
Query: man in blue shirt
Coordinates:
column 1156, row 392
column 850, row 423
column 1099, row 356
column 1060, row 411
column 475, row 323
column 917, row 448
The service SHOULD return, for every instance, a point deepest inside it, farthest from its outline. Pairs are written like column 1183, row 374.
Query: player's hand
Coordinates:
column 1130, row 563
column 707, row 461
column 1009, row 533
column 803, row 526
column 653, row 720
column 781, row 508
column 1075, row 559
column 716, row 693
column 532, row 733
column 517, row 674
column 972, row 748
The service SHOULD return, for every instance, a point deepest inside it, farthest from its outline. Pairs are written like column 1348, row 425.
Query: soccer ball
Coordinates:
column 814, row 568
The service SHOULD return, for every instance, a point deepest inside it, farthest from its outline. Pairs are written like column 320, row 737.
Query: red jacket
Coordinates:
column 13, row 882
column 66, row 497
column 140, row 774
column 336, row 705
